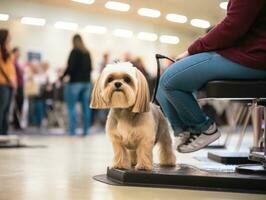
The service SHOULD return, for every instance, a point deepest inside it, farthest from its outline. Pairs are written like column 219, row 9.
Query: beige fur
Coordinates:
column 133, row 122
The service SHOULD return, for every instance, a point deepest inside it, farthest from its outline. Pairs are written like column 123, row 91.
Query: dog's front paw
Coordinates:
column 121, row 166
column 143, row 167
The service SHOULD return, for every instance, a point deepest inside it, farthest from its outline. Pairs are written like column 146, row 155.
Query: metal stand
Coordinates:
column 243, row 116
column 258, row 151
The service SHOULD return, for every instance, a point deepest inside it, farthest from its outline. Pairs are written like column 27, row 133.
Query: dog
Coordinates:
column 134, row 124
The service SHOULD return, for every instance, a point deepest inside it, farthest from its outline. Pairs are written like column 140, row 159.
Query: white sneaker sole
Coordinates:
column 203, row 142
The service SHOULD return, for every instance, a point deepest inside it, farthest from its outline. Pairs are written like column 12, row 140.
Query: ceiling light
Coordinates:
column 176, row 18
column 147, row 36
column 147, row 12
column 66, row 25
column 169, row 39
column 96, row 29
column 224, row 5
column 122, row 33
column 4, row 17
column 200, row 23
column 33, row 21
column 84, row 1
column 114, row 5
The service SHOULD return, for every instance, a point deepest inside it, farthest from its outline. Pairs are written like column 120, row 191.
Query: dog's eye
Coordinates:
column 127, row 80
column 110, row 79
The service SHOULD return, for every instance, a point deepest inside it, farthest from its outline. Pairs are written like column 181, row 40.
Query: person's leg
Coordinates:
column 86, row 111
column 19, row 99
column 183, row 78
column 169, row 110
column 178, row 104
column 39, row 111
column 71, row 97
column 4, row 96
column 6, row 110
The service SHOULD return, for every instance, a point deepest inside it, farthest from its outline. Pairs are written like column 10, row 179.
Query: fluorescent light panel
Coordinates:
column 4, row 17
column 200, row 23
column 176, row 18
column 169, row 39
column 96, row 29
column 33, row 21
column 84, row 1
column 224, row 5
column 147, row 36
column 147, row 12
column 118, row 6
column 122, row 33
column 66, row 25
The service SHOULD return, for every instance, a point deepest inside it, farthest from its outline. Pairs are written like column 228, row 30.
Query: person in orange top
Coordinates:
column 7, row 79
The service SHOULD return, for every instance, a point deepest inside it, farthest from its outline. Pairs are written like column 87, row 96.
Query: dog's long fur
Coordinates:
column 133, row 122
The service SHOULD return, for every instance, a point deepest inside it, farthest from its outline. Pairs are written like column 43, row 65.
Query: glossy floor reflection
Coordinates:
column 64, row 169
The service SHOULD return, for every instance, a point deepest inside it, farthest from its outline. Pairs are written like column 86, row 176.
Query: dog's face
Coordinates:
column 121, row 86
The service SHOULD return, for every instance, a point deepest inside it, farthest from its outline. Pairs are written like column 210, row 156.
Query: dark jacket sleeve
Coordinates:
column 70, row 63
column 240, row 16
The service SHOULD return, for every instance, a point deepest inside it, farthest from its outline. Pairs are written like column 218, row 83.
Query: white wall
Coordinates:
column 55, row 44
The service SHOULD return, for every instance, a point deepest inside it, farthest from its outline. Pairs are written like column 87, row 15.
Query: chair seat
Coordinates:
column 234, row 89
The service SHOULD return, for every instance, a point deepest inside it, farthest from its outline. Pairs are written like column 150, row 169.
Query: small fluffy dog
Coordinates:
column 134, row 124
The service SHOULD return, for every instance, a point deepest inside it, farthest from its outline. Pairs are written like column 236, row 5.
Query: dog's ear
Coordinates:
column 142, row 103
column 96, row 99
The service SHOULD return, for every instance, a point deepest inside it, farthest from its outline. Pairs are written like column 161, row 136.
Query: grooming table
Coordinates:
column 186, row 177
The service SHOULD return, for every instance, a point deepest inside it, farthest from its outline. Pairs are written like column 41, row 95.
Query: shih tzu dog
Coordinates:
column 134, row 124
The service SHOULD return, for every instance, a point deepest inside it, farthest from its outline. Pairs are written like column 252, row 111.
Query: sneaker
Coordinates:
column 199, row 141
column 182, row 138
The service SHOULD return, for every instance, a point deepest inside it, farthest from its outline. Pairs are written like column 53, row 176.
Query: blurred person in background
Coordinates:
column 101, row 115
column 38, row 88
column 19, row 97
column 78, row 89
column 8, row 82
column 127, row 57
column 105, row 60
column 138, row 63
column 44, row 79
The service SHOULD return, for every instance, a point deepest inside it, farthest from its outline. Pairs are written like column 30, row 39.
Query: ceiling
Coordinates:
column 203, row 9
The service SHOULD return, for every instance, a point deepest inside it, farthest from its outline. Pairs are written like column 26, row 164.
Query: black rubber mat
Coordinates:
column 186, row 177
column 230, row 158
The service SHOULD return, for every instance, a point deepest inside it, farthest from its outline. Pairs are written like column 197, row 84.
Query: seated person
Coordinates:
column 233, row 49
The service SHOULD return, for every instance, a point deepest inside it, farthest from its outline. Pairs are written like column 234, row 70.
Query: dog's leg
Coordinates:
column 121, row 156
column 133, row 157
column 144, row 155
column 167, row 155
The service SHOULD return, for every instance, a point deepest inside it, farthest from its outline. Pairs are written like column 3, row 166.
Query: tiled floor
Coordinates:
column 64, row 170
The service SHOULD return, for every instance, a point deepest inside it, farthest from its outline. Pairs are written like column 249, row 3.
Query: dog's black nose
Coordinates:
column 118, row 85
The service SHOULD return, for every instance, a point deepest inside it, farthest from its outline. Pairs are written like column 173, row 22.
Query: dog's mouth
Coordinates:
column 118, row 90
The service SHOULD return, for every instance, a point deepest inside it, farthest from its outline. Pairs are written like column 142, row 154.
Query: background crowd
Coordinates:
column 35, row 94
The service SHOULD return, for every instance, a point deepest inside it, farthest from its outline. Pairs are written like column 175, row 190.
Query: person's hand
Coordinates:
column 182, row 55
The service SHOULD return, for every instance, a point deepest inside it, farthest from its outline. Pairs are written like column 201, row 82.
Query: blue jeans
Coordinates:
column 183, row 78
column 5, row 101
column 40, row 111
column 74, row 93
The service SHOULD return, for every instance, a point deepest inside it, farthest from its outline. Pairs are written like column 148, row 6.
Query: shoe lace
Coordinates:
column 191, row 138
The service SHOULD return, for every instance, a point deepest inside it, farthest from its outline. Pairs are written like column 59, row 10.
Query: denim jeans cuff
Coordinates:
column 201, row 127
column 177, row 131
